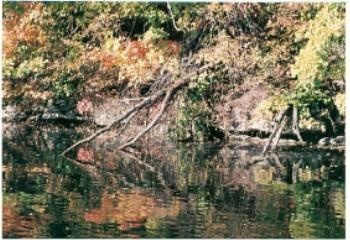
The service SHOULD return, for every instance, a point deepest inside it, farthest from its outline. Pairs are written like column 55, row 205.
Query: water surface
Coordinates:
column 184, row 191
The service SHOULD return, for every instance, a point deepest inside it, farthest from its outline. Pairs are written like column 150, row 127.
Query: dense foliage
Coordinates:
column 319, row 67
column 73, row 52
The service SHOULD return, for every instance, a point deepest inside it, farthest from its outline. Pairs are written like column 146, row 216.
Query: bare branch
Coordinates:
column 137, row 107
column 173, row 18
column 158, row 115
column 149, row 100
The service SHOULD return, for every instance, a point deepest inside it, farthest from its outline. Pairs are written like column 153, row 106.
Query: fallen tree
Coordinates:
column 149, row 101
column 240, row 24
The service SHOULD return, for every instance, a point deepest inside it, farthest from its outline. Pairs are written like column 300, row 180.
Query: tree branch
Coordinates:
column 137, row 107
column 158, row 115
column 173, row 18
column 149, row 100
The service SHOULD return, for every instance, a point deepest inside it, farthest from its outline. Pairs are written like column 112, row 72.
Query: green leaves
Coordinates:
column 154, row 34
column 320, row 65
column 28, row 67
column 322, row 33
column 195, row 117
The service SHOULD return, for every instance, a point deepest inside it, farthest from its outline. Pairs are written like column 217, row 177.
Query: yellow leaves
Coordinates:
column 38, row 95
column 220, row 52
column 22, row 28
column 137, row 61
column 227, row 7
column 154, row 34
column 113, row 45
column 214, row 7
column 29, row 91
column 312, row 124
column 34, row 65
column 327, row 23
column 27, row 71
column 268, row 108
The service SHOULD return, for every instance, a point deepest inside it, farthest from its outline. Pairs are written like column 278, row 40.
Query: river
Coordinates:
column 201, row 190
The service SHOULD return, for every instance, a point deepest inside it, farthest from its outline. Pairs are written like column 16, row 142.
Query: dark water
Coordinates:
column 198, row 190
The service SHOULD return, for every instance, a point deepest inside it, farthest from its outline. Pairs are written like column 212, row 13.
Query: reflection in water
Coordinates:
column 131, row 209
column 198, row 190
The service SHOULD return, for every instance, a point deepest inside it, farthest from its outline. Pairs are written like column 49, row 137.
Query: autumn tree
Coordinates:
column 192, row 54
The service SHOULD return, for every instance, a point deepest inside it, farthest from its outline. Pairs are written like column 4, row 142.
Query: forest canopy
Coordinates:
column 75, row 51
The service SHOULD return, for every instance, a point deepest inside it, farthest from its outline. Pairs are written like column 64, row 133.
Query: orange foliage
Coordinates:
column 170, row 48
column 136, row 61
column 130, row 209
column 174, row 47
column 9, row 217
column 136, row 49
column 107, row 60
column 20, row 28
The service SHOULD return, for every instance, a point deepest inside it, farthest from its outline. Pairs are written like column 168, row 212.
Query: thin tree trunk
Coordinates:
column 295, row 168
column 172, row 17
column 295, row 125
column 279, row 132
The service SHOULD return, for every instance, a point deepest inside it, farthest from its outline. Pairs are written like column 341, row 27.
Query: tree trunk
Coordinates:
column 279, row 132
column 276, row 128
column 295, row 125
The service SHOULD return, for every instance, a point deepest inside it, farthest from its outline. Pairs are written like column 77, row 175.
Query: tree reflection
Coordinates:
column 201, row 190
column 131, row 209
